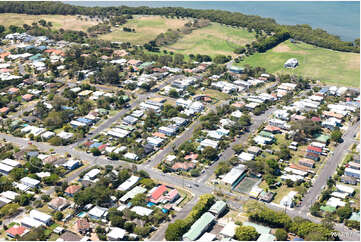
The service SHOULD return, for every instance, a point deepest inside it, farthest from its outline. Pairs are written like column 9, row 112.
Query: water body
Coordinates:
column 338, row 18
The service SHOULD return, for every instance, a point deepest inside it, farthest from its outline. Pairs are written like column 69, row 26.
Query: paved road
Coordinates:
column 107, row 123
column 199, row 188
column 257, row 121
column 329, row 168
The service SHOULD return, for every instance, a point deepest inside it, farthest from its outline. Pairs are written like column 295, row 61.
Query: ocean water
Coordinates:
column 338, row 18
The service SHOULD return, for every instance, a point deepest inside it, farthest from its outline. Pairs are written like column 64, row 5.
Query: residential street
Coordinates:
column 329, row 168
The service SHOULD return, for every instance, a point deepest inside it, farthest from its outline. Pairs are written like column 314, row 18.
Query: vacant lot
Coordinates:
column 146, row 29
column 68, row 22
column 212, row 40
column 332, row 67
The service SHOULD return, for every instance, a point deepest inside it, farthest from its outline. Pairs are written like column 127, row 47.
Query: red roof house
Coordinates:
column 314, row 149
column 16, row 230
column 191, row 156
column 4, row 110
column 71, row 190
column 159, row 192
column 316, row 119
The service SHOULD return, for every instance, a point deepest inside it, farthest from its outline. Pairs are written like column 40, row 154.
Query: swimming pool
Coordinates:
column 81, row 214
column 150, row 204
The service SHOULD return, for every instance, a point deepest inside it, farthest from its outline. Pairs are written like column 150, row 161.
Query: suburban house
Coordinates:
column 71, row 190
column 58, row 203
column 199, row 227
column 16, row 230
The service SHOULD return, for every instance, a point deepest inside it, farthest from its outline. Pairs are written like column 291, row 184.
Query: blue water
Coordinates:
column 338, row 18
column 81, row 214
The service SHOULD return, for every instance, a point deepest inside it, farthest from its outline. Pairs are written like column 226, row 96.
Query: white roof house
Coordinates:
column 232, row 176
column 229, row 230
column 340, row 195
column 40, row 216
column 207, row 237
column 29, row 222
column 209, row 142
column 47, row 135
column 244, row 156
column 287, row 200
column 335, row 202
column 131, row 181
column 142, row 211
column 132, row 193
column 116, row 233
column 98, row 212
column 65, row 135
column 28, row 181
column 131, row 156
column 214, row 135
column 9, row 195
column 345, row 189
column 236, row 114
column 10, row 162
column 5, row 169
column 92, row 174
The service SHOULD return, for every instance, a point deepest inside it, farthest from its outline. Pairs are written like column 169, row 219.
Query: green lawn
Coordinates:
column 332, row 67
column 212, row 40
column 146, row 29
column 281, row 192
column 214, row 94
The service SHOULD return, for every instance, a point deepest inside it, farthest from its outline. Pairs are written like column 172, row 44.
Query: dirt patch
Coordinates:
column 281, row 48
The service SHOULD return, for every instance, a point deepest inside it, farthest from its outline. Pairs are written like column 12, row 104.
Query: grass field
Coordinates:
column 331, row 67
column 212, row 40
column 59, row 21
column 146, row 29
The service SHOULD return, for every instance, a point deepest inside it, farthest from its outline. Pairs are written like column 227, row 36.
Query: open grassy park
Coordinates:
column 146, row 29
column 68, row 22
column 332, row 67
column 212, row 40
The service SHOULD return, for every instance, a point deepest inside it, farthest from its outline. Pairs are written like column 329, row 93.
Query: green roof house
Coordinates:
column 322, row 138
column 218, row 208
column 266, row 134
column 328, row 209
column 199, row 227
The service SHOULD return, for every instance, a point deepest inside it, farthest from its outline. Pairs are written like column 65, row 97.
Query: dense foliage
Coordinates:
column 176, row 230
column 304, row 33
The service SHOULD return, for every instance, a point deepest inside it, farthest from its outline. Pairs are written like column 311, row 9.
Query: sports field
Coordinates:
column 215, row 39
column 146, row 29
column 332, row 67
column 68, row 22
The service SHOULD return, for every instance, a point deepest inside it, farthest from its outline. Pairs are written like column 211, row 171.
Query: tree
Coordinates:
column 176, row 230
column 315, row 209
column 336, row 135
column 143, row 231
column 281, row 234
column 344, row 212
column 95, row 151
column 51, row 180
column 173, row 93
column 148, row 183
column 22, row 200
column 246, row 233
column 139, row 200
column 58, row 215
column 56, row 141
column 222, row 168
column 210, row 153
